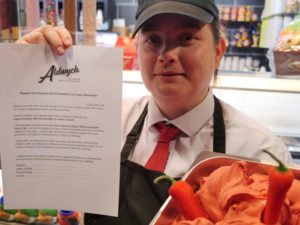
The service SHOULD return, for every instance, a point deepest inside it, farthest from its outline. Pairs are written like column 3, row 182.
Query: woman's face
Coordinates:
column 178, row 58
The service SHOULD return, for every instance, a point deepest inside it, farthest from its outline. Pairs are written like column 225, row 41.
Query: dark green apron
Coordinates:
column 140, row 198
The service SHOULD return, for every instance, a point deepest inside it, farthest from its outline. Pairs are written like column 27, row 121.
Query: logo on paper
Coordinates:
column 54, row 71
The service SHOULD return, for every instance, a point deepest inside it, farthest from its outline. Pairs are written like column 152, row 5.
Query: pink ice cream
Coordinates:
column 231, row 196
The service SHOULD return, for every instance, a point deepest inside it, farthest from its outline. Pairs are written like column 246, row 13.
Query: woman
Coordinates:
column 179, row 49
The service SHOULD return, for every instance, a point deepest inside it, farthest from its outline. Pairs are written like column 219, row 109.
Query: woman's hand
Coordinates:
column 58, row 38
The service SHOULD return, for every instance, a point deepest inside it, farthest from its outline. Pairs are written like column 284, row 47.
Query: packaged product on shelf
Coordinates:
column 290, row 37
column 99, row 19
column 51, row 12
column 225, row 13
column 89, row 22
column 287, row 51
column 32, row 10
column 233, row 14
column 241, row 13
column 119, row 26
column 292, row 6
column 255, row 33
column 241, row 38
column 248, row 13
column 9, row 21
column 254, row 17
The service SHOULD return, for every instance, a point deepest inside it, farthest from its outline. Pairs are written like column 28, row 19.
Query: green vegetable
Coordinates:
column 30, row 212
column 49, row 212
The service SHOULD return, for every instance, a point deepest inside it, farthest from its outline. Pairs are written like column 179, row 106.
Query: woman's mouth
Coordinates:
column 168, row 74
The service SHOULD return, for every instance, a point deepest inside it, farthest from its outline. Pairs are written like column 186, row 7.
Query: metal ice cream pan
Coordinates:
column 207, row 163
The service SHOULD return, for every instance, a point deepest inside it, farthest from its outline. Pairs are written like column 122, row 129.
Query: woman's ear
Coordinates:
column 220, row 51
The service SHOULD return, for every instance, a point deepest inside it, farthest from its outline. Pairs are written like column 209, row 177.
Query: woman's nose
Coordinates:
column 168, row 55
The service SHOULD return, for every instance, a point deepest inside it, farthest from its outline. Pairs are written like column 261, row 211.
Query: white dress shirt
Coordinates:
column 244, row 136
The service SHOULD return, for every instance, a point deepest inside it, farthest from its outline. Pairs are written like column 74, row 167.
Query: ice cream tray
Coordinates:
column 207, row 163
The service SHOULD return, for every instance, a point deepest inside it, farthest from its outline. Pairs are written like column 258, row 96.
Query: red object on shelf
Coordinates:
column 68, row 217
column 130, row 52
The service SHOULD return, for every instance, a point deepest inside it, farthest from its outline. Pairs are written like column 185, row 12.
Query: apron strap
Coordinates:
column 219, row 140
column 133, row 135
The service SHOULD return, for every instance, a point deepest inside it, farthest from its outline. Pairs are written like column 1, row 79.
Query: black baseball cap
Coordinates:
column 205, row 11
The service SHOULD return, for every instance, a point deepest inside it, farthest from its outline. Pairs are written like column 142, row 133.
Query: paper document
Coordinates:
column 60, row 124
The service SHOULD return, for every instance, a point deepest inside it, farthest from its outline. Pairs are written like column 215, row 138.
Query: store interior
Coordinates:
column 259, row 74
column 249, row 71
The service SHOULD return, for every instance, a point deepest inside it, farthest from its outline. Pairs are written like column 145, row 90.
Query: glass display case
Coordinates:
column 273, row 102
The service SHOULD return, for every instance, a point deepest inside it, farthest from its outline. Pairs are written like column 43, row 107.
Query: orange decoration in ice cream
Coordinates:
column 187, row 202
column 280, row 181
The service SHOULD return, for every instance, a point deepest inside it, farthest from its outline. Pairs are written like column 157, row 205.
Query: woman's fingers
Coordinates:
column 65, row 36
column 57, row 37
column 34, row 37
column 53, row 39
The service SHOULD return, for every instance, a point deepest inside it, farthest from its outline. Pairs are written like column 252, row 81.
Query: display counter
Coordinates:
column 274, row 102
column 243, row 81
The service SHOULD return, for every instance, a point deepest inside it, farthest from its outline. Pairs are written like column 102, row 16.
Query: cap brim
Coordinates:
column 180, row 8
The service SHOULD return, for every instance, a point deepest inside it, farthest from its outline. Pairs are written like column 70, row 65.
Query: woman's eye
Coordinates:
column 153, row 40
column 186, row 39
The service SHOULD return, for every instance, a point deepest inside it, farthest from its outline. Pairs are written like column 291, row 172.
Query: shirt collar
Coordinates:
column 189, row 123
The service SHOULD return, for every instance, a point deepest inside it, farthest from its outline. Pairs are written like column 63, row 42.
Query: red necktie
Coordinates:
column 159, row 157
